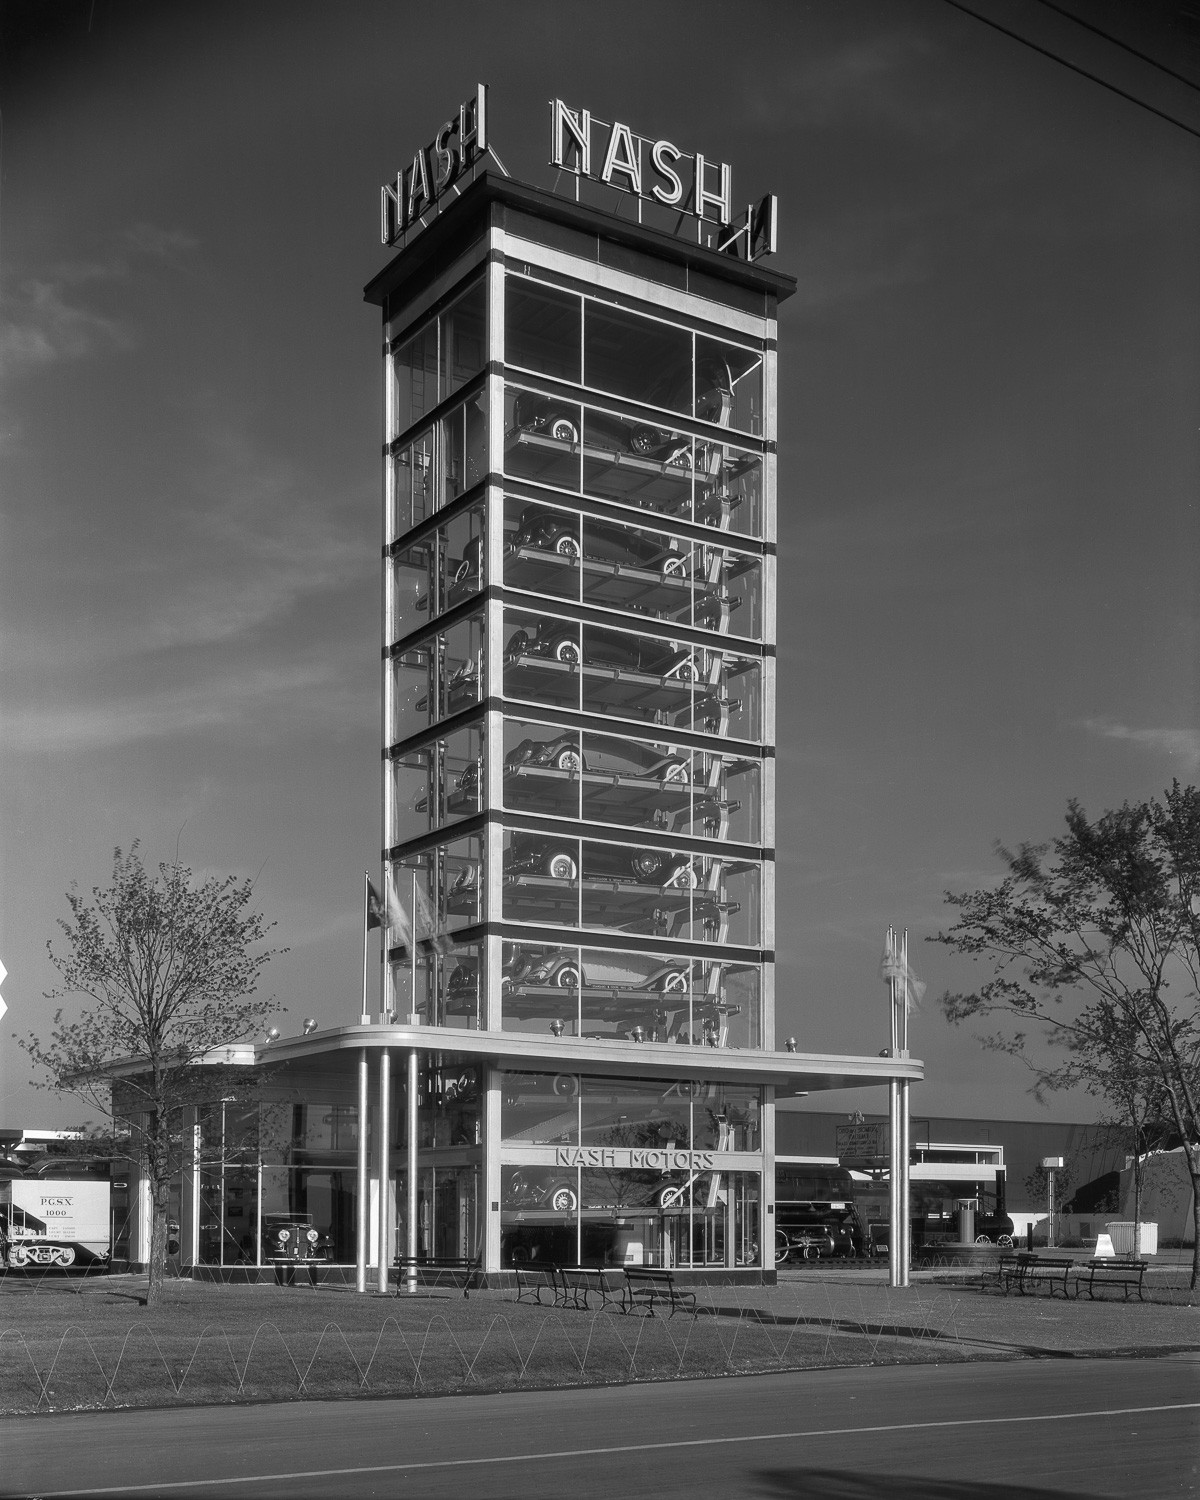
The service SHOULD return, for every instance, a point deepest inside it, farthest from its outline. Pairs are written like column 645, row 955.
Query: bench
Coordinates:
column 1126, row 1274
column 1052, row 1269
column 468, row 1267
column 644, row 1286
column 580, row 1281
column 536, row 1277
column 1000, row 1274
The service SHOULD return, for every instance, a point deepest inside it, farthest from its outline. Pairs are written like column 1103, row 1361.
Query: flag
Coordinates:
column 387, row 911
column 895, row 966
column 424, row 918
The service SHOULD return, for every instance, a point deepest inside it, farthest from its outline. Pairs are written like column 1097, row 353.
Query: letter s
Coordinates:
column 660, row 151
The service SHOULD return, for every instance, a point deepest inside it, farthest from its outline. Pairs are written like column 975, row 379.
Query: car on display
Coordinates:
column 602, row 754
column 559, row 531
column 559, row 968
column 548, row 417
column 466, row 575
column 539, row 854
column 527, row 1187
column 293, row 1237
column 559, row 640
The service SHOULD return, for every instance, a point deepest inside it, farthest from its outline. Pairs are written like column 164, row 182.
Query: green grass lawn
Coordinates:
column 62, row 1349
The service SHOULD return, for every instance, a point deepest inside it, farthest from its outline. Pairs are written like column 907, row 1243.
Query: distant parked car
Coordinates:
column 539, row 854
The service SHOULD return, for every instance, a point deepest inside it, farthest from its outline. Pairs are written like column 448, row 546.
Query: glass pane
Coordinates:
column 413, row 475
column 647, row 1113
column 457, row 988
column 412, row 691
column 541, row 438
column 728, row 385
column 541, row 878
column 464, row 447
column 539, row 1109
column 540, row 989
column 462, row 557
column 414, row 578
column 541, row 329
column 464, row 338
column 461, row 665
column 541, row 769
column 728, row 488
column 415, row 365
column 638, row 358
column 541, row 658
column 638, row 462
column 541, row 548
column 637, row 676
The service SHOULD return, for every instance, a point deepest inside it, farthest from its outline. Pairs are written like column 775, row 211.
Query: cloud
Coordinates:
column 1179, row 744
column 48, row 318
column 321, row 691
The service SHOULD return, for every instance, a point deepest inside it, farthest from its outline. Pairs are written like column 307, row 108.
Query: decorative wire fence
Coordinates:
column 401, row 1347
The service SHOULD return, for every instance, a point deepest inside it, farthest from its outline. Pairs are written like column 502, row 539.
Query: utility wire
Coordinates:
column 1116, row 42
column 1074, row 67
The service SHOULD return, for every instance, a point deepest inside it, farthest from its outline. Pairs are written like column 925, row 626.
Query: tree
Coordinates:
column 167, row 965
column 1094, row 940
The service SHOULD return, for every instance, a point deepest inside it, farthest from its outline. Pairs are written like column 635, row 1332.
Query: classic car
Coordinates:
column 560, row 420
column 293, row 1237
column 527, row 1187
column 607, row 754
column 557, row 531
column 559, row 968
column 539, row 854
column 559, row 639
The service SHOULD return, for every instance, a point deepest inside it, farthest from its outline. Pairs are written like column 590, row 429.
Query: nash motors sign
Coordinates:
column 659, row 172
column 619, row 1156
column 656, row 172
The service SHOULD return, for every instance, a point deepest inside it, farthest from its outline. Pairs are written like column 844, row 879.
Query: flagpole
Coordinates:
column 363, row 1016
column 905, row 1153
column 413, row 1068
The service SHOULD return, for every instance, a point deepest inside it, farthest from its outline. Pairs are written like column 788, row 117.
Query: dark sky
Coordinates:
column 989, row 462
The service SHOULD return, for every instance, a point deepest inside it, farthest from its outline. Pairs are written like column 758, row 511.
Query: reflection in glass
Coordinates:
column 542, row 329
column 637, row 357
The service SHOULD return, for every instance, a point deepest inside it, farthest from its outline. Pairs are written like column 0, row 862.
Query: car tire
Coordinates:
column 674, row 983
column 674, row 566
column 646, row 863
column 645, row 440
column 569, row 760
column 677, row 770
column 566, row 545
column 567, row 977
column 518, row 645
column 782, row 1247
column 669, row 1197
column 686, row 670
column 563, row 430
column 567, row 651
column 684, row 879
column 564, row 1200
column 561, row 866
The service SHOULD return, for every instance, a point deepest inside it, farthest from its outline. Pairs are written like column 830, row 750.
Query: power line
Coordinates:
column 1074, row 67
column 1116, row 42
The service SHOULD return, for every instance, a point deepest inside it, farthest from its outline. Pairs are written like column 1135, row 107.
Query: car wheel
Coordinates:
column 782, row 1248
column 562, row 866
column 563, row 430
column 563, row 1200
column 646, row 863
column 676, row 770
column 684, row 879
column 463, row 571
column 567, row 977
column 669, row 1197
column 567, row 651
column 686, row 670
column 569, row 760
column 673, row 567
column 674, row 983
column 519, row 644
column 645, row 440
column 566, row 545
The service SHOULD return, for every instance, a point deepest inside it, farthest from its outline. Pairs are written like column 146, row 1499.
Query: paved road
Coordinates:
column 1027, row 1428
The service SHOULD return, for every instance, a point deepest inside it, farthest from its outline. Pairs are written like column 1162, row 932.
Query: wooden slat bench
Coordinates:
column 468, row 1267
column 646, row 1285
column 1126, row 1274
column 579, row 1282
column 536, row 1277
column 1054, row 1270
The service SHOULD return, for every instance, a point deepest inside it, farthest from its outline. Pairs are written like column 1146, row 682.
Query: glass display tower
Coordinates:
column 578, row 691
